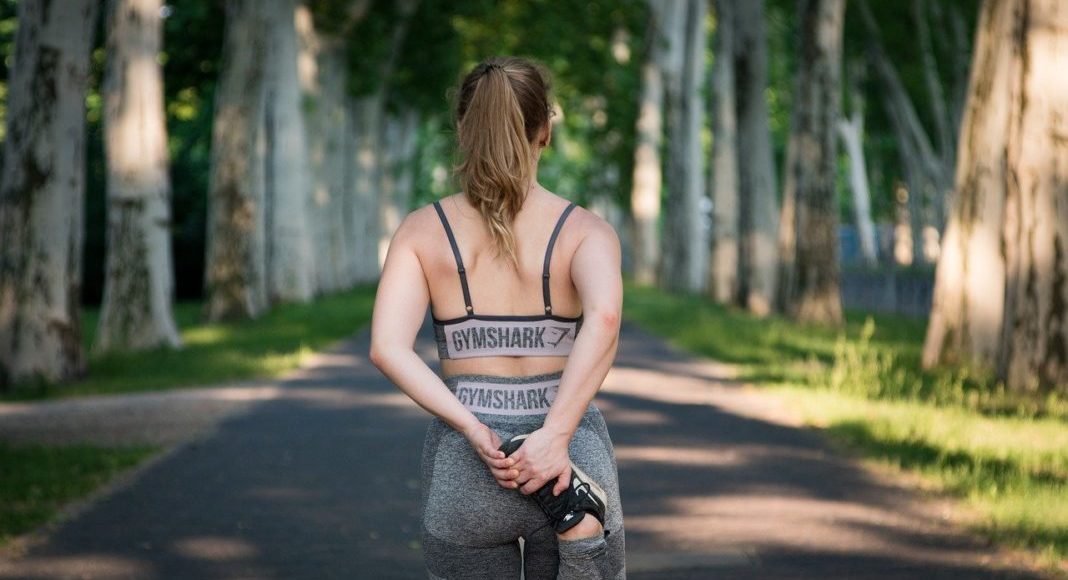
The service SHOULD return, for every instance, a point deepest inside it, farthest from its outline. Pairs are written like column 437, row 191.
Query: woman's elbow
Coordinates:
column 377, row 355
column 607, row 320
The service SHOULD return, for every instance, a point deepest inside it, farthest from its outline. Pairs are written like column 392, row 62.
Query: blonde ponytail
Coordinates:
column 503, row 103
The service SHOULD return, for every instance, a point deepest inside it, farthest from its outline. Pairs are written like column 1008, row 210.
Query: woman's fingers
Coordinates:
column 563, row 481
column 507, row 483
column 494, row 460
column 532, row 485
column 504, row 474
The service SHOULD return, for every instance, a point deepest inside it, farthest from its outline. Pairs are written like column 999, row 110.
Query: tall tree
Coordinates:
column 391, row 130
column 757, row 189
column 290, row 258
column 42, row 192
column 324, row 82
column 927, row 169
column 366, row 112
column 235, row 275
column 136, row 312
column 723, row 269
column 1001, row 286
column 813, row 293
column 685, row 249
column 851, row 130
column 648, row 175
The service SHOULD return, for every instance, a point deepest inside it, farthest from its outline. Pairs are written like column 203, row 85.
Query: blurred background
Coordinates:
column 873, row 194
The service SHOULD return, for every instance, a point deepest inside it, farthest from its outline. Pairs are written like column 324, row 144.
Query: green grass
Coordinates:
column 35, row 481
column 213, row 353
column 1003, row 454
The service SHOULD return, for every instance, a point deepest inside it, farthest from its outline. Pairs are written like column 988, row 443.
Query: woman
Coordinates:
column 511, row 273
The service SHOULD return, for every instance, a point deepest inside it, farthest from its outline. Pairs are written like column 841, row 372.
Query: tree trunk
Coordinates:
column 366, row 114
column 398, row 146
column 323, row 76
column 42, row 193
column 685, row 229
column 935, row 95
column 236, row 265
column 139, row 280
column 290, row 259
column 723, row 282
column 851, row 131
column 815, row 295
column 968, row 301
column 1034, row 341
column 926, row 171
column 757, row 190
column 648, row 176
column 387, row 130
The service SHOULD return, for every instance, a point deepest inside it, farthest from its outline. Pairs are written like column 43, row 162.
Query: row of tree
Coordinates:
column 1002, row 281
column 317, row 110
column 329, row 123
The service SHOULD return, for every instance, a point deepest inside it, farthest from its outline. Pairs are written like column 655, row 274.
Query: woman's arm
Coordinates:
column 400, row 307
column 596, row 272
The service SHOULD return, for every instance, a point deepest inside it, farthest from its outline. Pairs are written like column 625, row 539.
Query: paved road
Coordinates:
column 320, row 480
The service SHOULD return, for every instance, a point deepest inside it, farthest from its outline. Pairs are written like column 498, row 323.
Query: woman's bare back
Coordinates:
column 494, row 285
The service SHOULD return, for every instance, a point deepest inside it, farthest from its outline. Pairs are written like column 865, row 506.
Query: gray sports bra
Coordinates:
column 474, row 335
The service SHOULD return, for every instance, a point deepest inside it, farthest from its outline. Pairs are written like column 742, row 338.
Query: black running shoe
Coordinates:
column 582, row 495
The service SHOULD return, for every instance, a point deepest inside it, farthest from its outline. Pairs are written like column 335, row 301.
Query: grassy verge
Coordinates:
column 35, row 481
column 1005, row 455
column 214, row 353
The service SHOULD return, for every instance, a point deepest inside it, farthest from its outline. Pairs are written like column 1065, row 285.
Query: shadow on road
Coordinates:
column 323, row 482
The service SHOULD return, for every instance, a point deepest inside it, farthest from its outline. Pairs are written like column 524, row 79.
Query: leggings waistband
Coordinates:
column 503, row 395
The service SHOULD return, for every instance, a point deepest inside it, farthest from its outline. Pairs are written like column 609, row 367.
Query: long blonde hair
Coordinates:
column 502, row 104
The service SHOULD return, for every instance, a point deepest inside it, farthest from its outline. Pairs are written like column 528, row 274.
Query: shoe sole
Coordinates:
column 597, row 490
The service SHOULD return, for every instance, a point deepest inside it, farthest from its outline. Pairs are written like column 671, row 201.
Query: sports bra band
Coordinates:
column 545, row 267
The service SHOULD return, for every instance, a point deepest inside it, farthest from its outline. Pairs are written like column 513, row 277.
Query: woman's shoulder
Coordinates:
column 585, row 223
column 418, row 224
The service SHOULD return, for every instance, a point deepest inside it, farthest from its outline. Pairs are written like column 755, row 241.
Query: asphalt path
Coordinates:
column 321, row 480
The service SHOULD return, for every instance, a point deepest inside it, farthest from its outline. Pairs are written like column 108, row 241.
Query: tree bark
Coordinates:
column 723, row 281
column 42, row 193
column 290, row 260
column 1034, row 341
column 236, row 265
column 968, row 301
column 815, row 295
column 756, row 175
column 366, row 114
column 139, row 278
column 323, row 77
column 648, row 175
column 685, row 233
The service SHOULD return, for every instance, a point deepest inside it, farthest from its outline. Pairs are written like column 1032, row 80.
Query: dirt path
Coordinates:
column 317, row 477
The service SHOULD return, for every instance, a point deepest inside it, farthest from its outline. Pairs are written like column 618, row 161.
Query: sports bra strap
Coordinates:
column 549, row 255
column 459, row 260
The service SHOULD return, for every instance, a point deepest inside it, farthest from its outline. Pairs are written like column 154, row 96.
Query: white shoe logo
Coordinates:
column 568, row 517
column 576, row 482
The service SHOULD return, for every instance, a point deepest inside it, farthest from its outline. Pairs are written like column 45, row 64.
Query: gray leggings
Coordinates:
column 471, row 525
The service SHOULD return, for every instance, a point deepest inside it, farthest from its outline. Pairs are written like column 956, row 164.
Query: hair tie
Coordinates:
column 492, row 66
